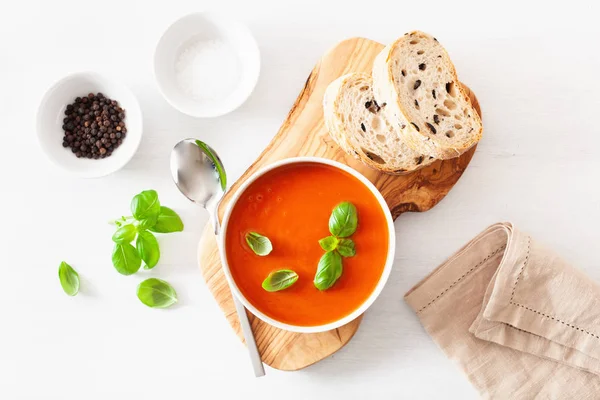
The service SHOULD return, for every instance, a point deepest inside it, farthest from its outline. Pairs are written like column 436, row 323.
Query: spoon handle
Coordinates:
column 257, row 364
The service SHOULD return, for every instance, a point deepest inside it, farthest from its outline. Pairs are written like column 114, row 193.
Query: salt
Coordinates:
column 207, row 70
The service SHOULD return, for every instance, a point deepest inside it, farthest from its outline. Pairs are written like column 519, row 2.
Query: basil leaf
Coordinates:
column 328, row 271
column 346, row 248
column 126, row 259
column 156, row 293
column 216, row 162
column 125, row 234
column 329, row 243
column 168, row 221
column 69, row 279
column 260, row 245
column 279, row 280
column 147, row 247
column 343, row 220
column 147, row 223
column 145, row 205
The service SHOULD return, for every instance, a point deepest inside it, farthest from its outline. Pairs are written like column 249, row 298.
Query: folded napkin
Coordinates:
column 519, row 321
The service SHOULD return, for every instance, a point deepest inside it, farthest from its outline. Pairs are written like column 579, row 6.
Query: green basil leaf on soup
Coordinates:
column 125, row 234
column 125, row 259
column 145, row 205
column 156, row 293
column 343, row 220
column 260, row 245
column 147, row 247
column 168, row 221
column 346, row 248
column 279, row 280
column 69, row 279
column 329, row 270
column 329, row 243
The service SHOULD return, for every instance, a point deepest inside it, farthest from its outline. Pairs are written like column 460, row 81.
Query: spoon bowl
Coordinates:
column 199, row 174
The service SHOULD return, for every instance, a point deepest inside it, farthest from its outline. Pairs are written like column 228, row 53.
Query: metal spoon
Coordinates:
column 199, row 174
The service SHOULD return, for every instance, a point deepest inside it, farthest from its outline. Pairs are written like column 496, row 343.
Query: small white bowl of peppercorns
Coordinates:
column 89, row 125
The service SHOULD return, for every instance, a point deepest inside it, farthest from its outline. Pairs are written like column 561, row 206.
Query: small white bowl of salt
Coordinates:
column 206, row 64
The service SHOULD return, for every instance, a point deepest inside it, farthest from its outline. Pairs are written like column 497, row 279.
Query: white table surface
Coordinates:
column 533, row 67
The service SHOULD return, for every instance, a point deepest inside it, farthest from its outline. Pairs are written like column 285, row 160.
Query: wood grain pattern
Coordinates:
column 303, row 133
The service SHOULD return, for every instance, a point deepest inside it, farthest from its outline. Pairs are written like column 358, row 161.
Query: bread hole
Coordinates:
column 380, row 138
column 443, row 112
column 457, row 126
column 362, row 126
column 417, row 104
column 419, row 160
column 420, row 52
column 372, row 156
column 431, row 128
column 414, row 41
column 450, row 104
column 439, row 69
column 375, row 123
column 451, row 89
column 403, row 72
column 362, row 89
column 416, row 84
column 465, row 112
column 372, row 106
column 422, row 66
column 450, row 134
column 458, row 117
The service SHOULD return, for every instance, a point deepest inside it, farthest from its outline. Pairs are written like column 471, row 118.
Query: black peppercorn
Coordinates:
column 93, row 126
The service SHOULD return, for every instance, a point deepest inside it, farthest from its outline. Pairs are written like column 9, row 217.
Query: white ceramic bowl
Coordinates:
column 50, row 120
column 384, row 275
column 205, row 26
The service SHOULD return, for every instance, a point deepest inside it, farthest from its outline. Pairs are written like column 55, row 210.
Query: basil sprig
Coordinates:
column 69, row 279
column 279, row 280
column 343, row 222
column 148, row 216
column 156, row 293
column 260, row 245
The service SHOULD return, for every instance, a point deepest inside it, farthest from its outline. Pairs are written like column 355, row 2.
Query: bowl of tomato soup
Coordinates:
column 293, row 263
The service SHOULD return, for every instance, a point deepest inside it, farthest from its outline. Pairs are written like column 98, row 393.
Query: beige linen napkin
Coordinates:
column 519, row 321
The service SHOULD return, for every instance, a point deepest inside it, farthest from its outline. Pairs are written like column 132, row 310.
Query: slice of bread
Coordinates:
column 358, row 125
column 417, row 80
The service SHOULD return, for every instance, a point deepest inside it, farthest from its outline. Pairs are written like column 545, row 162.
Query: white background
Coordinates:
column 534, row 68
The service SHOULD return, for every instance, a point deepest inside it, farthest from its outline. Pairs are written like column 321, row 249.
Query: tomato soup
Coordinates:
column 291, row 205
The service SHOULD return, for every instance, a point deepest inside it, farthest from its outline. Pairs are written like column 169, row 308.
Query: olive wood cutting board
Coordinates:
column 303, row 133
